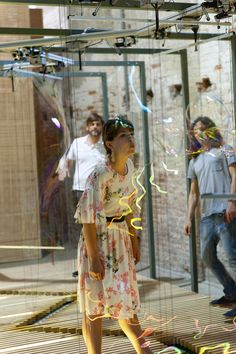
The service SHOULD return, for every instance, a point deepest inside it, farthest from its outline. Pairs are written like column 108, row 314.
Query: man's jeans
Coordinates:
column 212, row 230
column 74, row 228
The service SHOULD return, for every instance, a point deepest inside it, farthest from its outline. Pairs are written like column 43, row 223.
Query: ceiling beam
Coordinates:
column 120, row 4
column 14, row 31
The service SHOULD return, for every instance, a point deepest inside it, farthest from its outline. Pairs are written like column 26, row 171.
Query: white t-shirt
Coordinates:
column 86, row 157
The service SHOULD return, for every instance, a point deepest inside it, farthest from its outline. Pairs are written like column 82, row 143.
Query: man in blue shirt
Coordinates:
column 213, row 170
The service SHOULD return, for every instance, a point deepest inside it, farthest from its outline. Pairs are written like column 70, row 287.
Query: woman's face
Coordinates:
column 198, row 132
column 123, row 143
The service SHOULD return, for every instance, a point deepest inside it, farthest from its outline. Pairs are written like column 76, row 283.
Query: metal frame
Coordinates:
column 119, row 4
column 104, row 86
column 233, row 58
column 186, row 101
column 191, row 12
column 147, row 172
column 64, row 32
column 102, row 75
column 184, row 70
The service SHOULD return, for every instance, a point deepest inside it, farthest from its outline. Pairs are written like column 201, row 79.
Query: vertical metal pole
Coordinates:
column 192, row 241
column 151, row 239
column 126, row 80
column 105, row 97
column 233, row 54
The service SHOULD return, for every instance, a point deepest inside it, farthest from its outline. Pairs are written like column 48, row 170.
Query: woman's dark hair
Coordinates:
column 112, row 127
column 94, row 117
column 204, row 120
column 212, row 132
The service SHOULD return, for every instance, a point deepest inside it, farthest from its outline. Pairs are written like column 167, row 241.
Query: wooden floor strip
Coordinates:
column 177, row 317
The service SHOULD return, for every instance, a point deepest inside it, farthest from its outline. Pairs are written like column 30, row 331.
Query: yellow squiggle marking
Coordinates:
column 129, row 210
column 142, row 187
column 201, row 333
column 151, row 179
column 101, row 316
column 153, row 318
column 125, row 205
column 134, row 226
column 226, row 347
column 177, row 350
column 148, row 318
column 135, row 178
column 199, row 151
column 234, row 324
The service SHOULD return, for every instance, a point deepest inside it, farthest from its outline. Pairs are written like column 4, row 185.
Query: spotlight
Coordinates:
column 125, row 41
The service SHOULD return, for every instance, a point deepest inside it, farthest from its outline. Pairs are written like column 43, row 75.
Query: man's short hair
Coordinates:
column 93, row 118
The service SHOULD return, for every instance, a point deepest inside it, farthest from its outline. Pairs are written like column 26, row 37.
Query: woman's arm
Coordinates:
column 192, row 204
column 97, row 270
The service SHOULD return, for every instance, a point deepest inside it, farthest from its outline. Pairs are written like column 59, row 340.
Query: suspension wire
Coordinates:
column 206, row 270
column 166, row 219
column 72, row 105
column 231, row 100
column 155, row 106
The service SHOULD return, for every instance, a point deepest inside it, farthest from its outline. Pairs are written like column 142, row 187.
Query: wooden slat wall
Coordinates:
column 19, row 219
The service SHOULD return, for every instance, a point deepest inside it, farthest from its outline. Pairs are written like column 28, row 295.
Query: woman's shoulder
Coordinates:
column 101, row 169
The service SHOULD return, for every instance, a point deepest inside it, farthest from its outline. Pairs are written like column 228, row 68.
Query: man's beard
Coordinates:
column 95, row 133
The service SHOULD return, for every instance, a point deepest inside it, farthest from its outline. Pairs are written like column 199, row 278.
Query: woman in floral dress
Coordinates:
column 109, row 248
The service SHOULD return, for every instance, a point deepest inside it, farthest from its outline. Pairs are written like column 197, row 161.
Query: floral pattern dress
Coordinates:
column 108, row 194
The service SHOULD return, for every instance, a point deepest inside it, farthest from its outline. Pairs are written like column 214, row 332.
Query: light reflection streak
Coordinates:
column 17, row 314
column 130, row 79
column 38, row 300
column 151, row 179
column 35, row 345
column 32, row 247
column 168, row 169
column 56, row 122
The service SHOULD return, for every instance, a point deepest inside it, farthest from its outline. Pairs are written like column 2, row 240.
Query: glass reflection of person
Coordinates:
column 213, row 170
column 108, row 248
column 83, row 155
column 86, row 152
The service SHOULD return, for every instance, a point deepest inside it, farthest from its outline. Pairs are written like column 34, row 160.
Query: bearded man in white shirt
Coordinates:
column 84, row 154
